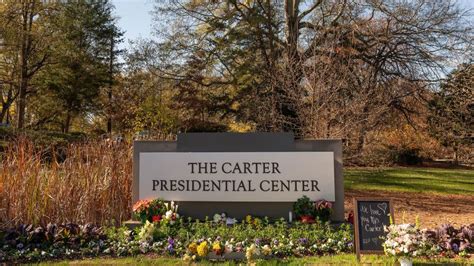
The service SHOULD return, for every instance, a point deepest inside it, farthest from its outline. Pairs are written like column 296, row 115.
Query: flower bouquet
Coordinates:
column 403, row 241
column 154, row 211
column 323, row 210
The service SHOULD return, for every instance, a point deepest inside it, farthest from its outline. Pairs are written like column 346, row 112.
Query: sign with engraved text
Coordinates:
column 236, row 176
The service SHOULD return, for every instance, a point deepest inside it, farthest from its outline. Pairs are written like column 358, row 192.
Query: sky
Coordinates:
column 134, row 17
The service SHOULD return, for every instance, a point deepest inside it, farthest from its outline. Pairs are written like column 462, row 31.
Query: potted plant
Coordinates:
column 323, row 210
column 304, row 210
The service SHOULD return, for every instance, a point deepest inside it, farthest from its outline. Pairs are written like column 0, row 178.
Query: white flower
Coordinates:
column 228, row 248
column 217, row 218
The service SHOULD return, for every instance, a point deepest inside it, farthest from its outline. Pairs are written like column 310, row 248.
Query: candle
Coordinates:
column 290, row 217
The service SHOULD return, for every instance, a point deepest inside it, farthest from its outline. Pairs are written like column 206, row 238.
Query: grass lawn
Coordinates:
column 346, row 259
column 429, row 180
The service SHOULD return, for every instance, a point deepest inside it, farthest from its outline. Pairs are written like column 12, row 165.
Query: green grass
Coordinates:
column 345, row 259
column 429, row 180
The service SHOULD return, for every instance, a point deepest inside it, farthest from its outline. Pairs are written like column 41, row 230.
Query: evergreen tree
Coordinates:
column 84, row 57
column 452, row 118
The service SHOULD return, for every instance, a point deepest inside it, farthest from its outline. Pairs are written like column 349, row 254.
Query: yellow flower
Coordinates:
column 257, row 222
column 216, row 247
column 187, row 258
column 203, row 249
column 266, row 250
column 192, row 248
column 251, row 252
column 248, row 219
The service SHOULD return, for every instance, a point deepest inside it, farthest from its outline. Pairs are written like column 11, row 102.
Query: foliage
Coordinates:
column 323, row 210
column 149, row 210
column 449, row 240
column 96, row 176
column 303, row 206
column 26, row 243
column 407, row 240
column 87, row 33
column 26, row 35
column 42, row 139
column 155, row 211
column 196, row 240
column 56, row 57
column 306, row 210
column 29, row 243
column 91, row 185
column 453, row 109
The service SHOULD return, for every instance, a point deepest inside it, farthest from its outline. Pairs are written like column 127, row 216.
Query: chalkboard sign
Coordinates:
column 371, row 215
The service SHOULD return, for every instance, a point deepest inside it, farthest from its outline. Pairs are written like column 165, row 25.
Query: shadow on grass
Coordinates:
column 448, row 181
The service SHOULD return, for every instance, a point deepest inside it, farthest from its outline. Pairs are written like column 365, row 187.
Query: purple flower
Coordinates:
column 455, row 247
column 275, row 242
column 257, row 241
column 171, row 241
column 170, row 248
column 303, row 241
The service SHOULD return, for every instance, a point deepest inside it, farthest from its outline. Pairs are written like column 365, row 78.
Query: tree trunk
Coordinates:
column 22, row 102
column 111, row 73
column 456, row 156
column 27, row 20
column 3, row 113
column 288, row 90
column 67, row 123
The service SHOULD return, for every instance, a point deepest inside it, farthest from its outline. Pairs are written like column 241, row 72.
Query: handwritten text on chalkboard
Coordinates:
column 372, row 216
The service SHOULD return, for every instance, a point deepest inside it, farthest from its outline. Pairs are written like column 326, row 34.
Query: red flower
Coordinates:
column 350, row 217
column 307, row 219
column 156, row 218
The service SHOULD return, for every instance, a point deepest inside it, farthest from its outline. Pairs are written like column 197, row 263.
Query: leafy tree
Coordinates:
column 84, row 57
column 452, row 119
column 25, row 35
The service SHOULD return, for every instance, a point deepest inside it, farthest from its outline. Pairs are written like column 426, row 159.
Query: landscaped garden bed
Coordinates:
column 165, row 233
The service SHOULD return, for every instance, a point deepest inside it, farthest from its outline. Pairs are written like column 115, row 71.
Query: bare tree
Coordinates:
column 318, row 68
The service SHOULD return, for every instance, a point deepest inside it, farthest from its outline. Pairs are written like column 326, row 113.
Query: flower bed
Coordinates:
column 193, row 240
column 187, row 239
column 408, row 241
column 165, row 233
